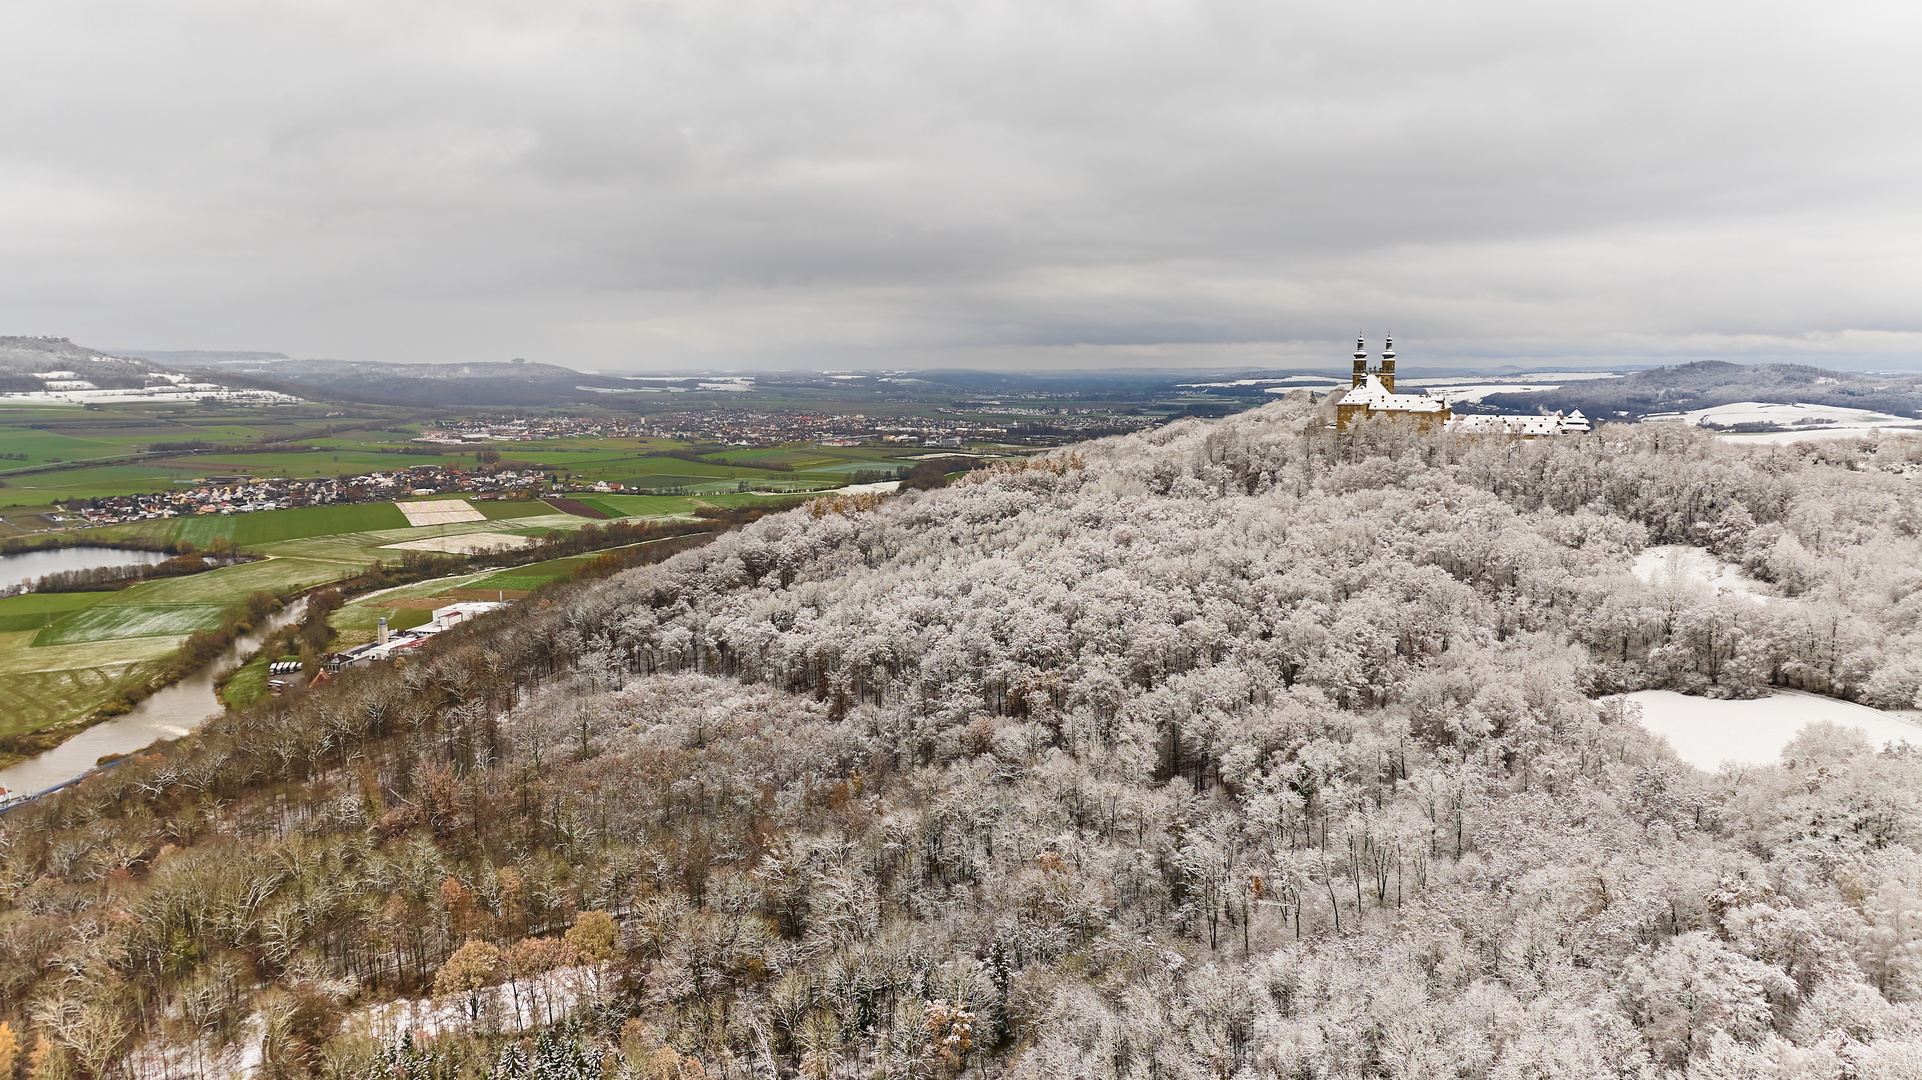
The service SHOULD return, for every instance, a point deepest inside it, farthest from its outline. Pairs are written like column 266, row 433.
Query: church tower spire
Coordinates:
column 1388, row 363
column 1361, row 362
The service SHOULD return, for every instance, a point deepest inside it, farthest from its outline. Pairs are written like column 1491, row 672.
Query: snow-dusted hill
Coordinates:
column 1707, row 384
column 40, row 363
column 1243, row 749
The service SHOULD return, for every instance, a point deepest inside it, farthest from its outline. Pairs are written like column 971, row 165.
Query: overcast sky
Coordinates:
column 906, row 183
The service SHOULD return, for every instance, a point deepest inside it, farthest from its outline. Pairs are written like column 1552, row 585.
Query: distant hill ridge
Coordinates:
column 464, row 384
column 1707, row 383
column 21, row 357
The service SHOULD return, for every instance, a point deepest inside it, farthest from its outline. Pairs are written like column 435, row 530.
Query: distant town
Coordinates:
column 760, row 427
column 247, row 494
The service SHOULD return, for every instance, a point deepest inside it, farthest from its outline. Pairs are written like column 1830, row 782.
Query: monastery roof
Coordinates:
column 1376, row 398
column 1551, row 424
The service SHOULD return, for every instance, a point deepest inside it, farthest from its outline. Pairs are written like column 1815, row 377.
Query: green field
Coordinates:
column 53, row 684
column 642, row 505
column 299, row 524
column 266, row 526
column 34, row 611
column 62, row 655
column 358, row 623
column 534, row 575
column 41, row 489
column 112, row 622
column 231, row 583
column 247, row 684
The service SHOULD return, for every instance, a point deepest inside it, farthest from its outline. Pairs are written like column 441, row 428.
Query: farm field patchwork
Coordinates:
column 466, row 543
column 33, row 611
column 262, row 527
column 52, row 684
column 508, row 509
column 439, row 511
column 534, row 575
column 52, row 673
column 229, row 584
column 41, row 489
column 112, row 622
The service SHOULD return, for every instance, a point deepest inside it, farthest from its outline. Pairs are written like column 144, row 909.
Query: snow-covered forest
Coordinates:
column 1232, row 749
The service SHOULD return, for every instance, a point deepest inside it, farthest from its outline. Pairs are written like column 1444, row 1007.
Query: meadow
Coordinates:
column 63, row 655
column 252, row 530
column 34, row 611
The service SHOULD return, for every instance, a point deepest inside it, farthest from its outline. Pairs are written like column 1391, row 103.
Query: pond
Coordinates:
column 168, row 714
column 1706, row 732
column 27, row 565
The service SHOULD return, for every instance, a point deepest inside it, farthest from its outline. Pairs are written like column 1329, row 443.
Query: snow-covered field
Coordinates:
column 1786, row 414
column 1454, row 392
column 187, row 392
column 1706, row 732
column 879, row 487
column 1458, row 390
column 465, row 543
column 1679, row 562
column 440, row 512
column 1826, row 431
column 1803, row 421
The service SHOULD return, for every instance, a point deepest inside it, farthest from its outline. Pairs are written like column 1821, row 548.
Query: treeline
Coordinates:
column 622, row 533
column 17, row 545
column 280, row 446
column 98, row 578
column 1241, row 750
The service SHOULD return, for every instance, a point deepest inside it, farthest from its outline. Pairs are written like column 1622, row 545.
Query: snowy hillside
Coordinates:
column 1241, row 749
column 1708, row 384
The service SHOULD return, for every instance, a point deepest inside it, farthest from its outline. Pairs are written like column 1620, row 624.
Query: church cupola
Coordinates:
column 1361, row 361
column 1388, row 363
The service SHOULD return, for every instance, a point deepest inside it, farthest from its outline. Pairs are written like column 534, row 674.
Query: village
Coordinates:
column 759, row 427
column 248, row 494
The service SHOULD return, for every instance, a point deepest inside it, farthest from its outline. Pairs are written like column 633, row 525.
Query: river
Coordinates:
column 27, row 565
column 167, row 714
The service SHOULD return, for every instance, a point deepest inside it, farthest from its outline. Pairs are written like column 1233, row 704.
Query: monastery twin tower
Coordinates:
column 1373, row 391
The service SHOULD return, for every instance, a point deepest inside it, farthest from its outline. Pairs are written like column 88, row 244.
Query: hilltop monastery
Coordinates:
column 1373, row 392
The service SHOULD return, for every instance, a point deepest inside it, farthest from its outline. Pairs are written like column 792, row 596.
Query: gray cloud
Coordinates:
column 902, row 182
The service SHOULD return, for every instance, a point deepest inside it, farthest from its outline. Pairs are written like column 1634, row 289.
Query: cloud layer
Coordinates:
column 899, row 182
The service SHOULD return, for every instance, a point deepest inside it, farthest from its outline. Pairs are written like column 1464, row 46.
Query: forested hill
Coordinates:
column 450, row 385
column 1241, row 749
column 20, row 357
column 1708, row 383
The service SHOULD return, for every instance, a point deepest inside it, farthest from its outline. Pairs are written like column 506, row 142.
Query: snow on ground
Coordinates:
column 515, row 1006
column 1679, row 562
column 879, row 487
column 1706, row 732
column 522, row 1005
column 440, row 512
column 1280, row 384
column 466, row 543
column 1786, row 414
column 1801, row 421
column 1455, row 390
column 184, row 393
column 1826, row 431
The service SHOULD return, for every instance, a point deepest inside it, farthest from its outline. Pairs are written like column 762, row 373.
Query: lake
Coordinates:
column 27, row 565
